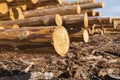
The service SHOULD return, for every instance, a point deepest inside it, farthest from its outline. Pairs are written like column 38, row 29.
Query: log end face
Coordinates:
column 102, row 4
column 34, row 1
column 60, row 1
column 78, row 9
column 3, row 8
column 58, row 20
column 9, row 0
column 85, row 20
column 85, row 35
column 61, row 41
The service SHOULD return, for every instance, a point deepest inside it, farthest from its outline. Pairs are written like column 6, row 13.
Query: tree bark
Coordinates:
column 97, row 14
column 36, row 21
column 79, row 2
column 12, row 14
column 111, row 31
column 99, row 20
column 75, row 21
column 35, row 36
column 90, row 12
column 82, row 35
column 63, row 10
column 92, row 6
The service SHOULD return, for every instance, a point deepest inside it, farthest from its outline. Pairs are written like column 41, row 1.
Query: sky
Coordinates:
column 111, row 9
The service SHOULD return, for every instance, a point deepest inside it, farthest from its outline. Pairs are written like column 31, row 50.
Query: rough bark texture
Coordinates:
column 63, row 10
column 99, row 20
column 38, row 21
column 92, row 6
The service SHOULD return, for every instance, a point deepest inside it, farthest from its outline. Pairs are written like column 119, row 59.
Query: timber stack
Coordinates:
column 51, row 24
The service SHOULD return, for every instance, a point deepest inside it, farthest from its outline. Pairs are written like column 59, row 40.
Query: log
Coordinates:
column 97, row 14
column 90, row 12
column 111, row 31
column 36, row 21
column 43, row 3
column 2, row 1
column 82, row 35
column 74, row 23
column 37, row 36
column 63, row 10
column 12, row 14
column 99, row 20
column 3, row 8
column 79, row 2
column 92, row 6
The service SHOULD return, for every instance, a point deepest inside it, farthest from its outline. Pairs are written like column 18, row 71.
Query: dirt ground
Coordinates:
column 99, row 59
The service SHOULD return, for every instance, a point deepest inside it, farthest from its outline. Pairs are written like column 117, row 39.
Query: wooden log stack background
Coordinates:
column 48, row 23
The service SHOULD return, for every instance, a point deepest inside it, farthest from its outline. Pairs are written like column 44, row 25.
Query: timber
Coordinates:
column 97, row 14
column 38, row 21
column 80, row 19
column 36, row 36
column 3, row 8
column 82, row 35
column 99, row 20
column 90, row 12
column 111, row 31
column 92, row 6
column 79, row 2
column 63, row 10
column 12, row 14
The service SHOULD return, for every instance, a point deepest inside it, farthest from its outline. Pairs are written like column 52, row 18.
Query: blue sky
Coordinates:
column 111, row 9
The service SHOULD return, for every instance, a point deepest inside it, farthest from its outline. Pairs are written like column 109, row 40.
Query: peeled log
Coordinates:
column 3, row 8
column 36, row 36
column 92, row 6
column 63, row 10
column 36, row 21
column 82, row 35
column 99, row 20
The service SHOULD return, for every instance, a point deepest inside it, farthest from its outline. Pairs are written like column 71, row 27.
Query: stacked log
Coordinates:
column 50, row 23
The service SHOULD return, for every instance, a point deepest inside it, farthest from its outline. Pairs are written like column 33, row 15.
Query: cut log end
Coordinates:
column 78, row 9
column 85, row 20
column 102, row 3
column 34, row 1
column 115, row 24
column 58, row 20
column 3, row 8
column 60, row 1
column 85, row 35
column 13, row 14
column 1, row 28
column 9, row 0
column 15, row 26
column 61, row 41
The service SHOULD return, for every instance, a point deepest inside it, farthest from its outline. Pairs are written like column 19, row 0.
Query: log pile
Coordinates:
column 44, row 22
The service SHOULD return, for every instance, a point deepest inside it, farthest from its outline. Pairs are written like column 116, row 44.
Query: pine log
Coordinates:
column 97, row 14
column 2, row 1
column 36, row 36
column 90, row 12
column 99, row 20
column 92, row 6
column 63, row 10
column 111, row 31
column 79, row 2
column 3, row 8
column 43, row 3
column 75, row 21
column 82, row 35
column 36, row 21
column 12, row 14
